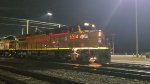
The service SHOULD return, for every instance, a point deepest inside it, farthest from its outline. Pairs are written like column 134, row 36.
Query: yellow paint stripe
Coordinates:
column 75, row 48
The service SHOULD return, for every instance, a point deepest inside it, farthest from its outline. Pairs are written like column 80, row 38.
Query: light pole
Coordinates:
column 113, row 44
column 136, row 22
column 22, row 31
column 27, row 26
column 49, row 14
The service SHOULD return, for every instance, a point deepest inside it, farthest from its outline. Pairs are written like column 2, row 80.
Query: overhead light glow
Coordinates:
column 50, row 14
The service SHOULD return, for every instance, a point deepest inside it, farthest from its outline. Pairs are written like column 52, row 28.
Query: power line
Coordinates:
column 29, row 24
column 13, row 19
column 25, row 26
column 32, row 21
column 11, row 24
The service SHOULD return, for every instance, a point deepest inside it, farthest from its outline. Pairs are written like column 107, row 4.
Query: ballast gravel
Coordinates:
column 88, row 78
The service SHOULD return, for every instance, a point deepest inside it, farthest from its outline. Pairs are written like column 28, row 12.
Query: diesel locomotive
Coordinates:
column 79, row 43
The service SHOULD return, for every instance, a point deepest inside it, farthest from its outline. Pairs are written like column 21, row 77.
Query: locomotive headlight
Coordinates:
column 93, row 58
column 93, row 25
column 86, row 24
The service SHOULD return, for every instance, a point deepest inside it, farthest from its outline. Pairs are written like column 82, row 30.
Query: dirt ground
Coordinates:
column 130, row 59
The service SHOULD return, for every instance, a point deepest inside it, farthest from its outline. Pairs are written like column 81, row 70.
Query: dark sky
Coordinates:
column 113, row 16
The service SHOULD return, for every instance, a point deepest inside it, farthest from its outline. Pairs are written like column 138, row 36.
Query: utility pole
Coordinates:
column 136, row 20
column 113, row 44
column 22, row 31
column 27, row 26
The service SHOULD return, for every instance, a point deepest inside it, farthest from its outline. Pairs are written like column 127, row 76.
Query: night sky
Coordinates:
column 114, row 17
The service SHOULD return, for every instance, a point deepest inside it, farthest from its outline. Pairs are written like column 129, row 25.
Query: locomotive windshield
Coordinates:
column 87, row 26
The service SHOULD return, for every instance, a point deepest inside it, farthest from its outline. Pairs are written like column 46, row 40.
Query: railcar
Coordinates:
column 80, row 43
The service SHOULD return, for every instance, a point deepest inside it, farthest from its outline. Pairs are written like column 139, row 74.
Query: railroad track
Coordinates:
column 10, row 80
column 113, row 71
column 44, row 79
column 130, row 66
column 117, row 70
column 125, row 72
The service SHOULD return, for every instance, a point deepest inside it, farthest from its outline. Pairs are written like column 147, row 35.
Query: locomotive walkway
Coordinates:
column 131, row 59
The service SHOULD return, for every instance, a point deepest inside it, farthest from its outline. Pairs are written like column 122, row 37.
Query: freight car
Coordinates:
column 80, row 43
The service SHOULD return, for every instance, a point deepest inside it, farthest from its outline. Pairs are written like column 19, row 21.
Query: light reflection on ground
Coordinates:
column 95, row 65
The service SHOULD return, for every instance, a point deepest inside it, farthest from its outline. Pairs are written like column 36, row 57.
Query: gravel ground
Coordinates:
column 88, row 78
column 2, row 82
column 83, row 77
column 28, row 80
